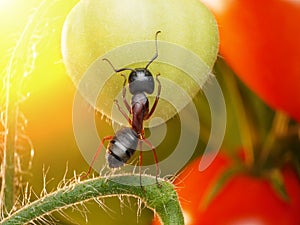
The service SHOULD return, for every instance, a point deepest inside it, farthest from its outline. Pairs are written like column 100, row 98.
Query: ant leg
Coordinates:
column 122, row 111
column 156, row 99
column 124, row 94
column 96, row 155
column 155, row 158
column 141, row 163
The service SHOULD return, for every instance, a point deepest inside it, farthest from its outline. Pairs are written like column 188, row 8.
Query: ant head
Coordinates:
column 141, row 80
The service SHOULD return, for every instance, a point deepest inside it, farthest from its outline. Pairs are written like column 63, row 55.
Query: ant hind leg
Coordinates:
column 141, row 162
column 155, row 159
column 107, row 138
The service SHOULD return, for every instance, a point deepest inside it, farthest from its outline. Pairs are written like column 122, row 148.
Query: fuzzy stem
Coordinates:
column 12, row 85
column 162, row 199
column 7, row 188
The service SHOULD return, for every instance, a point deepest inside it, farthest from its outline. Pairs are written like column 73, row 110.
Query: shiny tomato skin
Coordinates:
column 260, row 41
column 243, row 200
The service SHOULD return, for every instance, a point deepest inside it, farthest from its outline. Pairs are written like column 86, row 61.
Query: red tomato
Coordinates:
column 260, row 41
column 243, row 200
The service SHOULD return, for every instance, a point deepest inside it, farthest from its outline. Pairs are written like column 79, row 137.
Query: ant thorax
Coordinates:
column 140, row 109
column 140, row 98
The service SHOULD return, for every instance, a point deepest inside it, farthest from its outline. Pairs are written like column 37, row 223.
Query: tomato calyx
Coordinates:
column 229, row 192
column 280, row 147
column 267, row 168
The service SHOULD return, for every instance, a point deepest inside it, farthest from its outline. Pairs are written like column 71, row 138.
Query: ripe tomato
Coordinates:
column 242, row 200
column 260, row 41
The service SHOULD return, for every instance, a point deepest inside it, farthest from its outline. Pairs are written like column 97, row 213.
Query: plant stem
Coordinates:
column 162, row 199
column 13, row 82
column 8, row 182
column 243, row 123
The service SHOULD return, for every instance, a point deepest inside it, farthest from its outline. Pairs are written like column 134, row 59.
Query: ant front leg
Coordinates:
column 122, row 111
column 124, row 94
column 156, row 99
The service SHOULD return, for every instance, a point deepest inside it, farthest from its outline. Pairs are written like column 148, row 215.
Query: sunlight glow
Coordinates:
column 187, row 218
column 218, row 5
column 4, row 4
column 294, row 2
column 11, row 11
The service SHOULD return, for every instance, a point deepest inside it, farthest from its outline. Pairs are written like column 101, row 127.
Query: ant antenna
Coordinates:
column 156, row 53
column 116, row 70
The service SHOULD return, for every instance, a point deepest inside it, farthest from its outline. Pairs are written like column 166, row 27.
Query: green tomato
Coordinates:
column 95, row 28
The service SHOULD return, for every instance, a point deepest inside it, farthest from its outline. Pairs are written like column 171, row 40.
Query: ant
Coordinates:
column 123, row 144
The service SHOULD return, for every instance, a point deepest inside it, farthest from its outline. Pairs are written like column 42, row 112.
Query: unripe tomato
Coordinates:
column 260, row 41
column 96, row 27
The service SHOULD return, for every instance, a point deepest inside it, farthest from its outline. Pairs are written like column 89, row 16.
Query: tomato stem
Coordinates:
column 21, row 63
column 162, row 199
column 13, row 82
column 241, row 116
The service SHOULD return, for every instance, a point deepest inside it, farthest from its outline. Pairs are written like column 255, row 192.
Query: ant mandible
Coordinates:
column 124, row 143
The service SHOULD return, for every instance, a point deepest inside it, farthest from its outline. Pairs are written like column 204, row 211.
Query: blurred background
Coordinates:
column 46, row 106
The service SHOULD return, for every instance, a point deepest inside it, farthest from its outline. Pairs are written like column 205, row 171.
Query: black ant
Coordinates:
column 124, row 143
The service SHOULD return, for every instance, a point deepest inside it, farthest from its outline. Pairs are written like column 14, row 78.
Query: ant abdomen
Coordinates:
column 121, row 147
